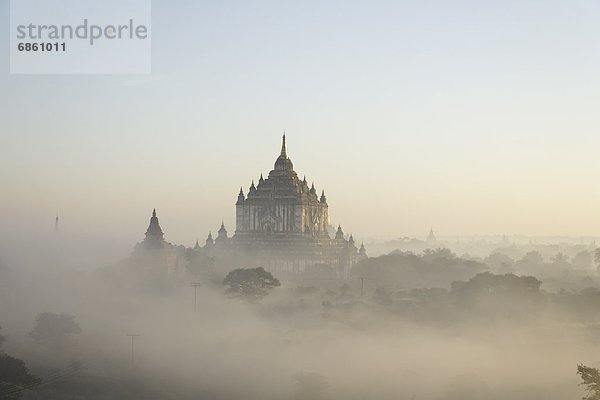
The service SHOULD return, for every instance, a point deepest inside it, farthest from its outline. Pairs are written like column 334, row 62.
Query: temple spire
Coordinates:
column 283, row 147
column 339, row 234
column 241, row 197
column 362, row 251
column 283, row 163
column 431, row 237
column 154, row 234
column 209, row 240
column 222, row 235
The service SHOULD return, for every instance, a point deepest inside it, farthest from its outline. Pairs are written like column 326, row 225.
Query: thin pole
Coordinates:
column 132, row 336
column 362, row 286
column 195, row 285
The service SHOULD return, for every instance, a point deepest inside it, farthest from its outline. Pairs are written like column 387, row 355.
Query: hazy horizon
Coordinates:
column 473, row 119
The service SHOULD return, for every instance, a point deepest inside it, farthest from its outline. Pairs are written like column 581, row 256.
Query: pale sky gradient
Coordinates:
column 474, row 117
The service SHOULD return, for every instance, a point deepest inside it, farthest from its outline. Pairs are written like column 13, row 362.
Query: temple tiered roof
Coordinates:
column 154, row 234
column 282, row 183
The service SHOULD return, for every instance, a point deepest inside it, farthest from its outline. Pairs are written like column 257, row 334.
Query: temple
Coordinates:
column 282, row 224
column 154, row 256
column 155, row 237
column 431, row 239
column 281, row 206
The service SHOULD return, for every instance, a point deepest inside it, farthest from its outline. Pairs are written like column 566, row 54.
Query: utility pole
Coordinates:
column 132, row 336
column 195, row 285
column 362, row 287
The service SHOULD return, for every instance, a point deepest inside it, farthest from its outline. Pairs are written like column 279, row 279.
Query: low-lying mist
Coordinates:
column 486, row 335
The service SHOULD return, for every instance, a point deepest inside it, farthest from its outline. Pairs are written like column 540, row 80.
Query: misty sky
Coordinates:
column 472, row 117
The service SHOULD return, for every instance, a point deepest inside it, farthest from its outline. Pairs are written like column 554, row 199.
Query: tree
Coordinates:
column 54, row 329
column 14, row 376
column 499, row 262
column 435, row 268
column 251, row 284
column 532, row 257
column 533, row 263
column 597, row 256
column 440, row 253
column 499, row 295
column 560, row 258
column 591, row 380
column 582, row 260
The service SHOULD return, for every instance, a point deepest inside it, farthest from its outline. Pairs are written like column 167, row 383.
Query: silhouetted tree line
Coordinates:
column 15, row 377
column 432, row 268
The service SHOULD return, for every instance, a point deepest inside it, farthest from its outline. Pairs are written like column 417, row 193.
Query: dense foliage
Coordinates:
column 251, row 284
column 432, row 268
column 14, row 376
column 591, row 380
column 54, row 329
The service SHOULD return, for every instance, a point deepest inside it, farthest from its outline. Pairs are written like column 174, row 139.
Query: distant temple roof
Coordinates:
column 362, row 251
column 431, row 237
column 209, row 239
column 283, row 162
column 282, row 221
column 339, row 234
column 282, row 182
column 222, row 234
column 154, row 234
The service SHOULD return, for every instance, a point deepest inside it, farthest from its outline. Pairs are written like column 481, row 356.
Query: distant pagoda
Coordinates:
column 154, row 234
column 154, row 255
column 282, row 225
column 282, row 204
column 431, row 237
